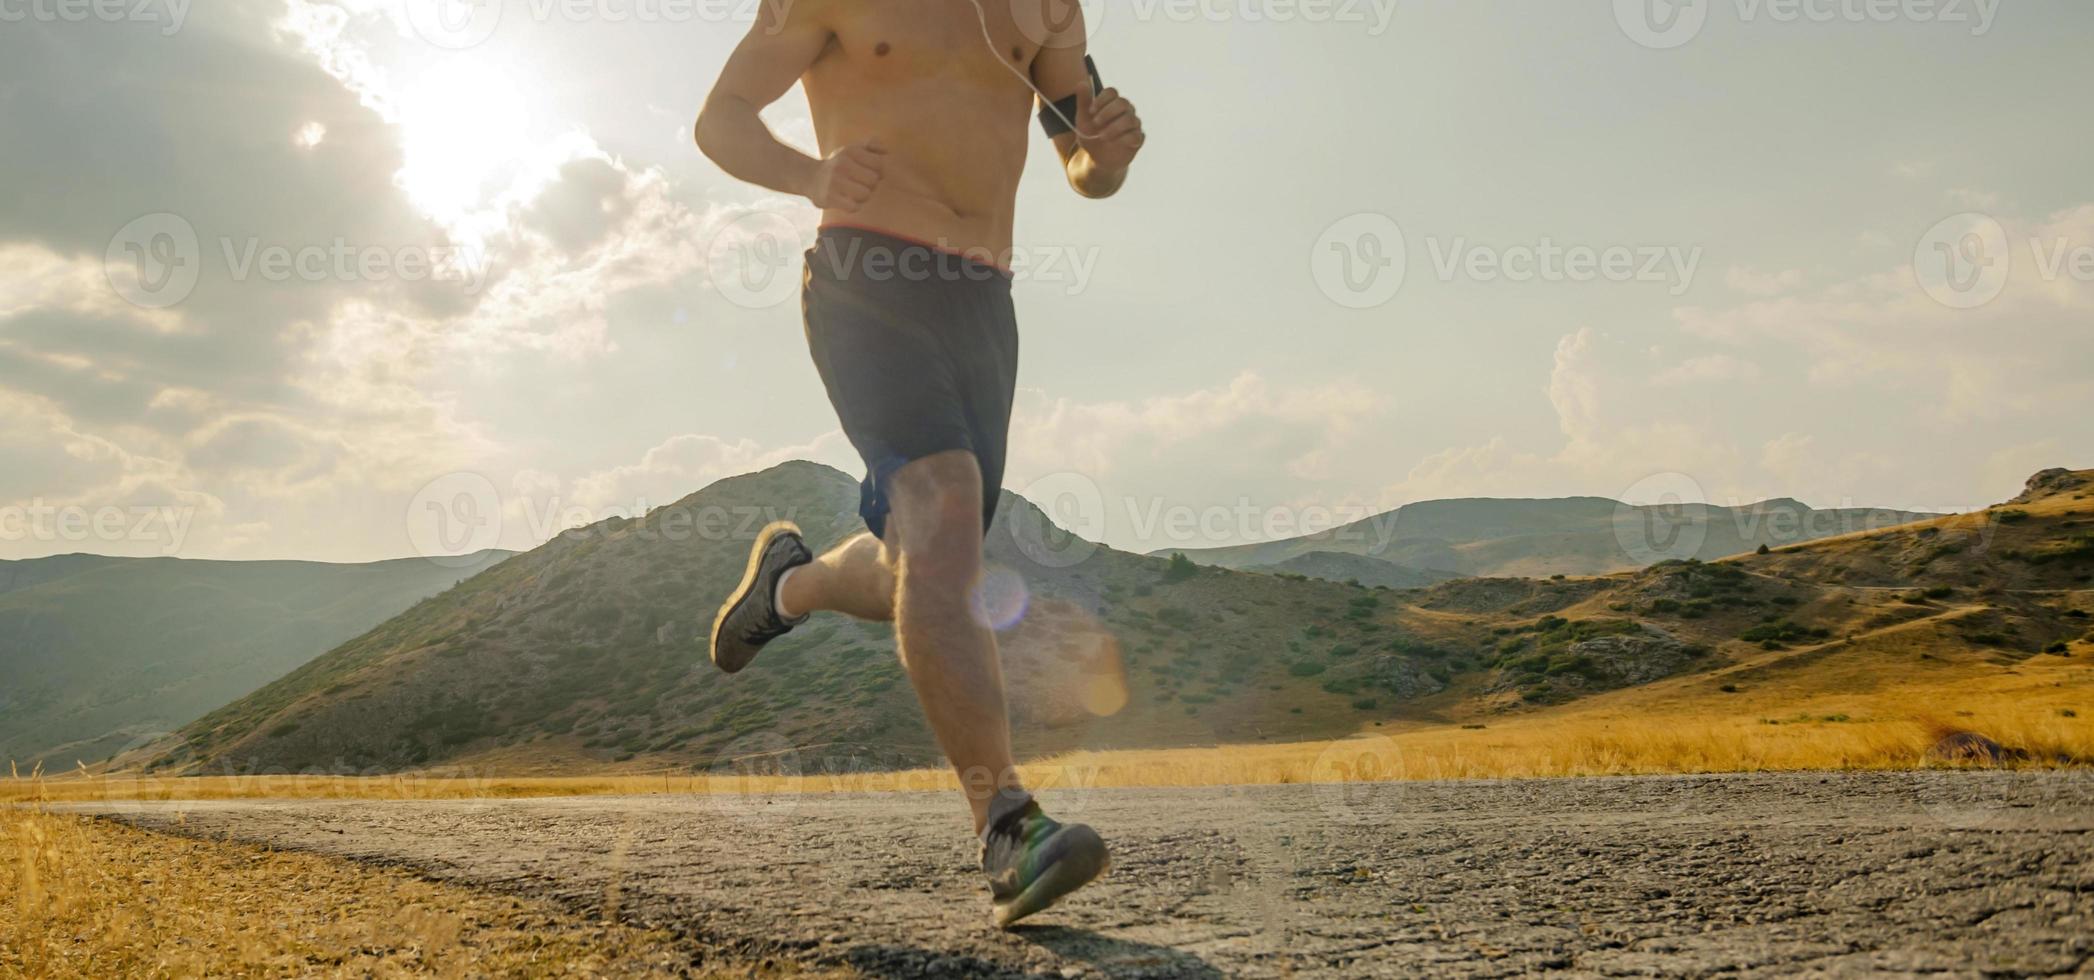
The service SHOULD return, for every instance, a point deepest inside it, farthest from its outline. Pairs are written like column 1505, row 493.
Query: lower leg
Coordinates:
column 949, row 652
column 951, row 660
column 855, row 578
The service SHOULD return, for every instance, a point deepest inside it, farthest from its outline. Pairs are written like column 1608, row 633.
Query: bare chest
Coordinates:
column 980, row 46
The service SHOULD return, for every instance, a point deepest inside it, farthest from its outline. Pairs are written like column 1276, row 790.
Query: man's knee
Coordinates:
column 937, row 510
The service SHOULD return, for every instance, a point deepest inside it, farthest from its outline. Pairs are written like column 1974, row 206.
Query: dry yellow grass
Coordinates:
column 81, row 898
column 1823, row 716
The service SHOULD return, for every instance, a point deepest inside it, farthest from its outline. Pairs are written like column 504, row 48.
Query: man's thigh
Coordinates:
column 936, row 505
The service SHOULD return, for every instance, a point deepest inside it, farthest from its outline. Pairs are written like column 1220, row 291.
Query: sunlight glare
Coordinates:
column 464, row 129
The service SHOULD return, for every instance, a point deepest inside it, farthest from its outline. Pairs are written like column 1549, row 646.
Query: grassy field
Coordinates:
column 1824, row 714
column 85, row 898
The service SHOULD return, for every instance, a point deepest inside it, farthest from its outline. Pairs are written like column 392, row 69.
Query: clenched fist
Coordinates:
column 847, row 179
column 1112, row 130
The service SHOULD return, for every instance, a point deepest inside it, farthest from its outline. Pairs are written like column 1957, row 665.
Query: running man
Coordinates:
column 923, row 110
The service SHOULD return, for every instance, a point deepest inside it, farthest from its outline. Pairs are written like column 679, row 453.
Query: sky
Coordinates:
column 356, row 280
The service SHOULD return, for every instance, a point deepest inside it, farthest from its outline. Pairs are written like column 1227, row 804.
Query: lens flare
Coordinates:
column 1001, row 599
column 1062, row 667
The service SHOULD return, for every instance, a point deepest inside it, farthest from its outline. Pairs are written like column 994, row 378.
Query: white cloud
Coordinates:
column 685, row 464
column 1706, row 369
column 1756, row 283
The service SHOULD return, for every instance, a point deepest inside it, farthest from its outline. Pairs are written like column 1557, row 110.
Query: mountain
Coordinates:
column 1338, row 566
column 587, row 653
column 98, row 652
column 1570, row 536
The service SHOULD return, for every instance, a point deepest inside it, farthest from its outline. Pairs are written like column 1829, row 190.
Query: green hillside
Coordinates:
column 587, row 653
column 98, row 652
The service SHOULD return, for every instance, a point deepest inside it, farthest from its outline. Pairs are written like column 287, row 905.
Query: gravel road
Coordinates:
column 1957, row 873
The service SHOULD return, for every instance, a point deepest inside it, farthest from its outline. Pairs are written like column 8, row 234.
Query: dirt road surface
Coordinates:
column 1951, row 873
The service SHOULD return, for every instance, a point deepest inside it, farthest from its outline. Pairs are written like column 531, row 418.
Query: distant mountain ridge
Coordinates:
column 96, row 652
column 1482, row 537
column 1338, row 566
column 587, row 652
column 590, row 649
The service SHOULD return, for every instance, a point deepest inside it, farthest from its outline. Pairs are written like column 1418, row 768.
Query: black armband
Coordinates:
column 1058, row 117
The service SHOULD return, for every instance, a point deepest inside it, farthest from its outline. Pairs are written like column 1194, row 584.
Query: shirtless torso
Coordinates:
column 923, row 121
column 923, row 124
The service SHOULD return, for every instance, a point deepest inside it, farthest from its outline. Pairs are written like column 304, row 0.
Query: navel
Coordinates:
column 882, row 49
column 1017, row 54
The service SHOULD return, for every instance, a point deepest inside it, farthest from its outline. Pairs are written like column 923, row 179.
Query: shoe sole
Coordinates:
column 741, row 592
column 1066, row 876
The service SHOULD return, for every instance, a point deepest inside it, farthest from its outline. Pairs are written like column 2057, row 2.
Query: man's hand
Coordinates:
column 1112, row 131
column 847, row 179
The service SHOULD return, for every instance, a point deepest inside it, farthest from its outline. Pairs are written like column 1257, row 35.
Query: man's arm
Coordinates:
column 780, row 46
column 1108, row 131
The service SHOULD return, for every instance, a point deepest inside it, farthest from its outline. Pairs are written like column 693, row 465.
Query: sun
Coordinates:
column 466, row 130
